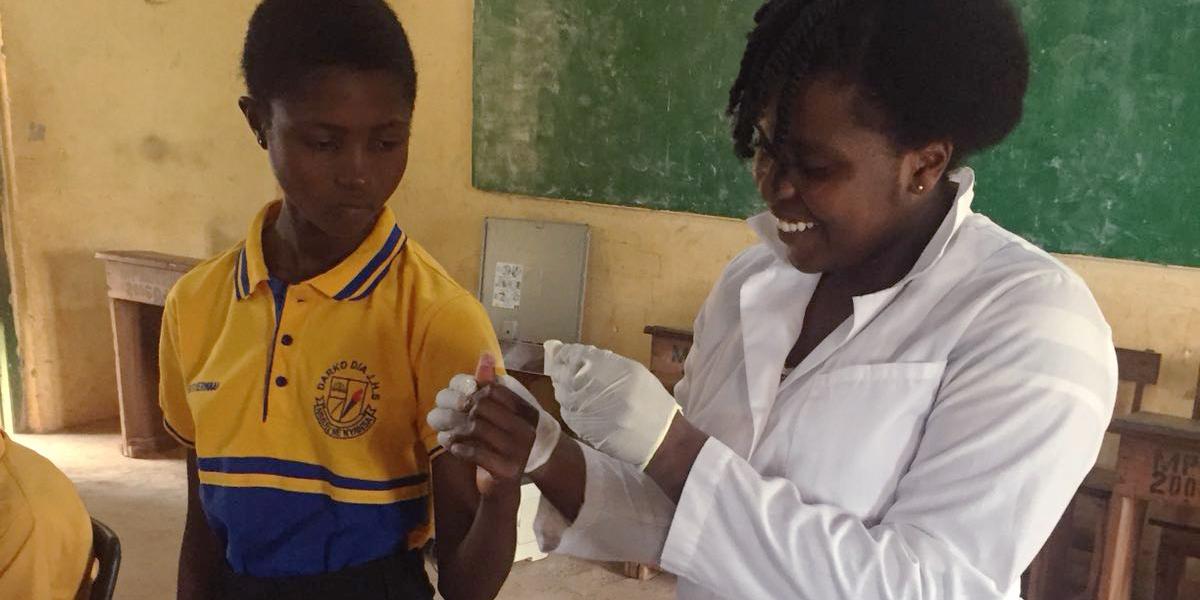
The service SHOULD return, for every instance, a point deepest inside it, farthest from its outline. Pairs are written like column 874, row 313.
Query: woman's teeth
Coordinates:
column 795, row 226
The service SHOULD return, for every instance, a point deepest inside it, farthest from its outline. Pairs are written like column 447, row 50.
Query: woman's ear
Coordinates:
column 258, row 117
column 927, row 165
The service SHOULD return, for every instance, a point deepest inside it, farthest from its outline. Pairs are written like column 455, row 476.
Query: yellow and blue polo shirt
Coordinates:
column 306, row 403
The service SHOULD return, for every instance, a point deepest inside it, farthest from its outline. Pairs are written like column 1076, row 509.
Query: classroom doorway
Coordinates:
column 10, row 368
column 11, row 407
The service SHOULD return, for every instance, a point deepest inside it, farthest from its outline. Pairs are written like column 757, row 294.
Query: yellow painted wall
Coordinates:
column 126, row 135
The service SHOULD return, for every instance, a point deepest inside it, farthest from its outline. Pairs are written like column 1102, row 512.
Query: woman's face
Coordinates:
column 338, row 143
column 843, row 193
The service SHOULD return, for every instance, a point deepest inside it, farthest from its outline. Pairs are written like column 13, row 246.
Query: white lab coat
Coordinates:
column 925, row 450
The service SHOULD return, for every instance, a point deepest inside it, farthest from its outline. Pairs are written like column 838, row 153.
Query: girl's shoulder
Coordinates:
column 212, row 278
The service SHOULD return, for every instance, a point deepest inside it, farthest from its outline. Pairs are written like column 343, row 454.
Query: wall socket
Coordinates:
column 508, row 330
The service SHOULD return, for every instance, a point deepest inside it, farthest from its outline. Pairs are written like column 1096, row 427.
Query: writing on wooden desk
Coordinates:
column 1176, row 473
column 1159, row 470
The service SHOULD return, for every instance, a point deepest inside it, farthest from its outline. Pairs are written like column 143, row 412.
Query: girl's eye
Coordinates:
column 387, row 145
column 323, row 145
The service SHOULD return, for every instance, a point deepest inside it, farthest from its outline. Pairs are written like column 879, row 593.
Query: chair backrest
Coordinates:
column 107, row 549
column 1139, row 367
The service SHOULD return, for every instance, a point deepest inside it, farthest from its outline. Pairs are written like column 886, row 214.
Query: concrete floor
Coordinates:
column 144, row 502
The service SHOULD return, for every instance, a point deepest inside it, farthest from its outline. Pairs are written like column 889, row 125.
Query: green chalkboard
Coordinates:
column 622, row 102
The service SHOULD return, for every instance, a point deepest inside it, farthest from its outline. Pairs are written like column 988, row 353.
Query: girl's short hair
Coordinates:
column 289, row 39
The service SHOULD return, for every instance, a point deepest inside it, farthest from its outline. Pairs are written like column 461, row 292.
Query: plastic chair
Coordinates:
column 106, row 548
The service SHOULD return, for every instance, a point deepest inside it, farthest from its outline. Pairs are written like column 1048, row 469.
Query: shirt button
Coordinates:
column 286, row 340
column 281, row 381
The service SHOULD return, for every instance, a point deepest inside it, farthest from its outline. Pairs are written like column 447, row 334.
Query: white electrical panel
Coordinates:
column 532, row 279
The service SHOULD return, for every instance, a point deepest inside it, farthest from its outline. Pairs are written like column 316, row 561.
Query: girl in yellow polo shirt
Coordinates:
column 299, row 365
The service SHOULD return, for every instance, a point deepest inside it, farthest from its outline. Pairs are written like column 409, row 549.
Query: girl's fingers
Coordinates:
column 503, row 442
column 498, row 465
column 446, row 419
column 510, row 423
column 463, row 384
column 451, row 400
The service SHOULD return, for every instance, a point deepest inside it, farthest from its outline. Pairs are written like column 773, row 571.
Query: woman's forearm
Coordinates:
column 563, row 478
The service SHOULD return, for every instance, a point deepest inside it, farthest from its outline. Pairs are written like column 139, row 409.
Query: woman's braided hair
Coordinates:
column 925, row 69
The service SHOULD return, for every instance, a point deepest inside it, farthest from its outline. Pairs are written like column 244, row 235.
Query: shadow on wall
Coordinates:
column 221, row 233
column 79, row 329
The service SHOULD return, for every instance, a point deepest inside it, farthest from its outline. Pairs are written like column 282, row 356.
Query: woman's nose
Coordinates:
column 773, row 184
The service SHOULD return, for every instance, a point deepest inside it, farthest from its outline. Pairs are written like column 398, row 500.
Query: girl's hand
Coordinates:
column 483, row 422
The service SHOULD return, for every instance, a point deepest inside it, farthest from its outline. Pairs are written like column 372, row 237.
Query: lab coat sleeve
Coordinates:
column 1017, row 424
column 625, row 515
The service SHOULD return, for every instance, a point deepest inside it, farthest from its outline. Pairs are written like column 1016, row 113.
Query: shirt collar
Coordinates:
column 352, row 279
column 765, row 225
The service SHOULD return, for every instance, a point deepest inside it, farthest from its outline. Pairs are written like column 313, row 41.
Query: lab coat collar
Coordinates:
column 866, row 307
column 772, row 302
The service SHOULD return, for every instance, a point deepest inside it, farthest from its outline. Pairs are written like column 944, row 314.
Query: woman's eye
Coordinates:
column 816, row 172
column 387, row 145
column 323, row 145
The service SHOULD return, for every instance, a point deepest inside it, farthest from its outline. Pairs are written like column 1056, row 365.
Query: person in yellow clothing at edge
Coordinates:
column 299, row 366
column 45, row 531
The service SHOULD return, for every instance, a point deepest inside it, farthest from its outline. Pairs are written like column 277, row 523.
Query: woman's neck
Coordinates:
column 296, row 250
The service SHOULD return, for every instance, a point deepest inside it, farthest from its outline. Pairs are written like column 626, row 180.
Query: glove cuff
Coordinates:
column 548, row 432
column 662, row 436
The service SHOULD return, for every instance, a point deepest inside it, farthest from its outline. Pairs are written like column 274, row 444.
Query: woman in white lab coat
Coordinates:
column 890, row 396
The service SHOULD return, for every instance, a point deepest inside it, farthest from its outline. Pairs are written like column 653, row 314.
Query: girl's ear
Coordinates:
column 258, row 117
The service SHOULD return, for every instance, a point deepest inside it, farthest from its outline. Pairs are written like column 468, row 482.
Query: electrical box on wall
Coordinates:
column 532, row 279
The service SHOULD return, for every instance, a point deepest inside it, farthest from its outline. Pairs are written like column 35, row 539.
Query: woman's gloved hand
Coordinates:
column 611, row 402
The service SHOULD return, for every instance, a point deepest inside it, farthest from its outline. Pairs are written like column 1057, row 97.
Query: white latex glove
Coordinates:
column 450, row 416
column 613, row 403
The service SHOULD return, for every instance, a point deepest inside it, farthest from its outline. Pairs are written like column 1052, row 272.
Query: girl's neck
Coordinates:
column 296, row 250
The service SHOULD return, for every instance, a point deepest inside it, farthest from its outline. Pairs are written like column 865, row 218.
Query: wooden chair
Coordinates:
column 1178, row 543
column 1141, row 368
column 1046, row 577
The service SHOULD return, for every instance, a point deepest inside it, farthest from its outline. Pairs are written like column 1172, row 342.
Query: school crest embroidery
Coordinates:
column 345, row 405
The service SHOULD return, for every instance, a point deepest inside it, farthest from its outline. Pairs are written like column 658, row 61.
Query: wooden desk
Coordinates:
column 138, row 283
column 1158, row 461
column 669, row 347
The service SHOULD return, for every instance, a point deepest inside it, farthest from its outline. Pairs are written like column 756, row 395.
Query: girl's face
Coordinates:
column 338, row 143
column 843, row 193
